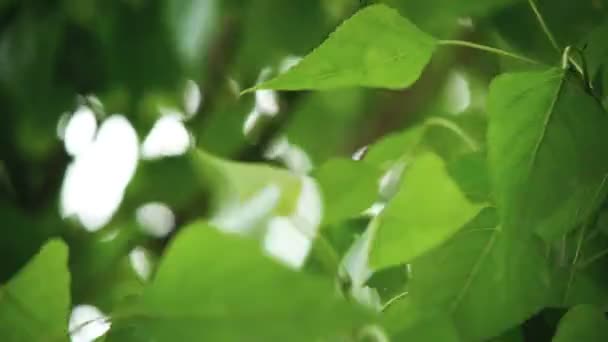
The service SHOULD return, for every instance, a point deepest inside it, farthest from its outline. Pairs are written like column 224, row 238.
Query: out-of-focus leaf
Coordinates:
column 22, row 237
column 429, row 331
column 284, row 33
column 374, row 48
column 491, row 279
column 342, row 234
column 389, row 282
column 338, row 113
column 118, row 288
column 427, row 210
column 192, row 23
column 602, row 220
column 441, row 16
column 27, row 51
column 222, row 130
column 595, row 50
column 256, row 198
column 29, row 42
column 339, row 9
column 153, row 63
column 232, row 181
column 348, row 187
column 544, row 136
column 450, row 138
column 453, row 137
column 582, row 323
column 246, row 291
column 513, row 335
column 173, row 181
column 528, row 36
column 274, row 29
column 333, row 242
column 404, row 321
column 34, row 305
column 101, row 271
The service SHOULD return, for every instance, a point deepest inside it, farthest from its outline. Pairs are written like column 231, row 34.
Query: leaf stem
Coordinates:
column 437, row 121
column 486, row 48
column 393, row 300
column 543, row 25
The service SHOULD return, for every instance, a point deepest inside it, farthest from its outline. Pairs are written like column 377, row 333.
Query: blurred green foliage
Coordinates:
column 448, row 211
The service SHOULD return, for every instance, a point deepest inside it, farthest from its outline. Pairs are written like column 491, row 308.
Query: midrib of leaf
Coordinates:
column 476, row 267
column 5, row 293
column 523, row 92
column 321, row 76
column 546, row 122
column 361, row 71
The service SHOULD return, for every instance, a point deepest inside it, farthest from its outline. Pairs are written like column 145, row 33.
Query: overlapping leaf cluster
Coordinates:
column 479, row 266
column 480, row 230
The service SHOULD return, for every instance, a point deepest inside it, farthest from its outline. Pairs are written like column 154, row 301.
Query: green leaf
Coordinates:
column 374, row 48
column 333, row 243
column 393, row 147
column 582, row 323
column 485, row 278
column 389, row 282
column 222, row 131
column 403, row 321
column 349, row 187
column 513, row 335
column 150, row 182
column 579, row 273
column 4, row 4
column 22, row 235
column 430, row 331
column 596, row 49
column 470, row 172
column 235, row 182
column 34, row 305
column 217, row 287
column 427, row 210
column 545, row 135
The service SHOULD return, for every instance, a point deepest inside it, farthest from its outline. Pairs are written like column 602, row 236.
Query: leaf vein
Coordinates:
column 470, row 277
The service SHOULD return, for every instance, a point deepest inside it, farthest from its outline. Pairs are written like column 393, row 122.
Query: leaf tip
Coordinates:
column 55, row 245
